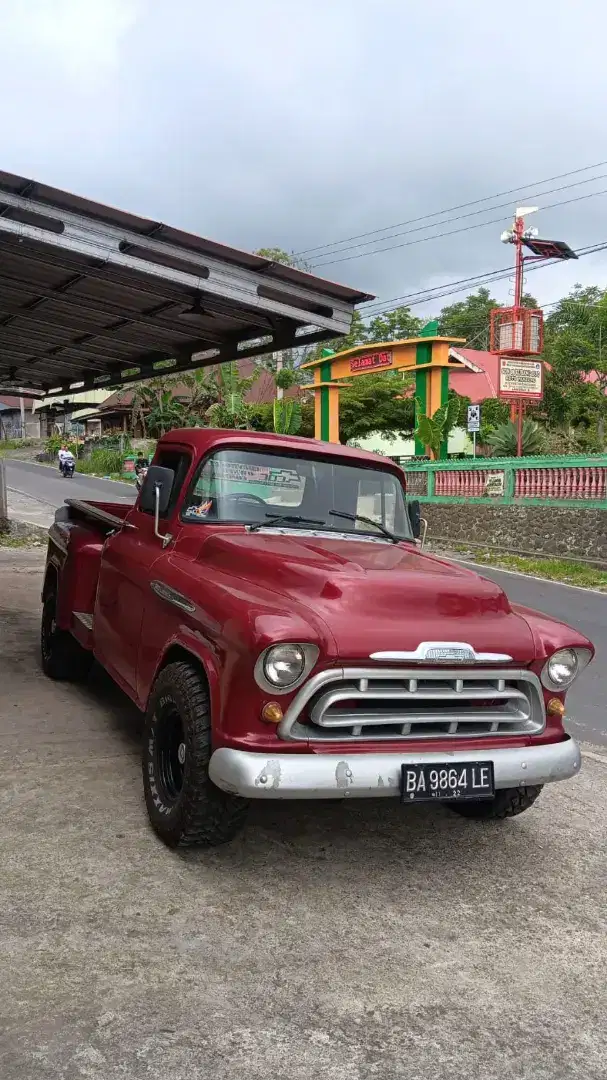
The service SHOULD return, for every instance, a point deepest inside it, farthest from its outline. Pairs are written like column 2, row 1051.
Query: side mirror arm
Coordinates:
column 165, row 537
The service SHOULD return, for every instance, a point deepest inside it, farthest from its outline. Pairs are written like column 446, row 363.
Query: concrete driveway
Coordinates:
column 345, row 942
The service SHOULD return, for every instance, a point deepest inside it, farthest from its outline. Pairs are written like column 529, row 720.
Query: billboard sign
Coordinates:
column 521, row 378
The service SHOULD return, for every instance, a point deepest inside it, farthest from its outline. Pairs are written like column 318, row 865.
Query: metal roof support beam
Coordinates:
column 208, row 275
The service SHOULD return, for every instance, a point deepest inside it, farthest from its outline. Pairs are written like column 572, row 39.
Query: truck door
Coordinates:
column 123, row 588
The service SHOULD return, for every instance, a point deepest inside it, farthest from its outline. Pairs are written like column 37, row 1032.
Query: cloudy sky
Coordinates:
column 300, row 123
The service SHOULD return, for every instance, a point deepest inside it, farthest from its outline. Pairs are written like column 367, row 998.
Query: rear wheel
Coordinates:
column 63, row 657
column 506, row 803
column 184, row 806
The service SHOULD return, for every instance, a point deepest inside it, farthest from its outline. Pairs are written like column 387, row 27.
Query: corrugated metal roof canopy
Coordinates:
column 94, row 297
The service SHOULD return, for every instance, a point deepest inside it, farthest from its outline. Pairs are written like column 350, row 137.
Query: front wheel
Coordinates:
column 184, row 806
column 506, row 803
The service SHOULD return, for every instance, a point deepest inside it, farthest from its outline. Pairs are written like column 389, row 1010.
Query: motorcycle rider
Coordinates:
column 141, row 465
column 66, row 460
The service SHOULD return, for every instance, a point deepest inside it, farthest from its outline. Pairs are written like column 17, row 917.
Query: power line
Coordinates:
column 449, row 210
column 453, row 232
column 459, row 217
column 369, row 307
column 449, row 288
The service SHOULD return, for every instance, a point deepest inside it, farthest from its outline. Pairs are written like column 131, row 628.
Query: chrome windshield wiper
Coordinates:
column 284, row 519
column 368, row 521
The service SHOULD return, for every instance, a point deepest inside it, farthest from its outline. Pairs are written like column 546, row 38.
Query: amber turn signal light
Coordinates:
column 556, row 707
column 272, row 713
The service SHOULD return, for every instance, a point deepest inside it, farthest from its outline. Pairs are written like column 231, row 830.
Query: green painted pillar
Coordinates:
column 325, row 376
column 444, row 397
column 423, row 355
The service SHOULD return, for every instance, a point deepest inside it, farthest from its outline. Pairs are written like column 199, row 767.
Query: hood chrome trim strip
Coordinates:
column 444, row 652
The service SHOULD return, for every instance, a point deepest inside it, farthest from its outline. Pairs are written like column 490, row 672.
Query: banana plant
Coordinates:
column 287, row 416
column 434, row 430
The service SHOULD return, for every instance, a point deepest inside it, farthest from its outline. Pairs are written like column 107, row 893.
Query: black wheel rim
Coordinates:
column 170, row 754
column 49, row 628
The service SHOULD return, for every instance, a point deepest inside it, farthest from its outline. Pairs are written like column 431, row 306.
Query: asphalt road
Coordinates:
column 45, row 484
column 585, row 610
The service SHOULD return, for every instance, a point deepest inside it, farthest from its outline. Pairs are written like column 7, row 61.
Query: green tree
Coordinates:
column 394, row 325
column 575, row 345
column 278, row 255
column 156, row 406
column 469, row 318
column 493, row 413
column 376, row 403
column 230, row 410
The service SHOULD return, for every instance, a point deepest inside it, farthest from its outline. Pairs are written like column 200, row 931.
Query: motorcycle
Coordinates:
column 67, row 469
column 141, row 475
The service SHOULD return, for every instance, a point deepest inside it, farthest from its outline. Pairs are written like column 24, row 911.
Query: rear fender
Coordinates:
column 72, row 570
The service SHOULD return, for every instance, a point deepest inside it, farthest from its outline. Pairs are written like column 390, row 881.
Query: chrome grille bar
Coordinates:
column 353, row 703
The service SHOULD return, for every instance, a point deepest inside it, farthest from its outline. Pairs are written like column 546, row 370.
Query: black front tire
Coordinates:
column 63, row 658
column 184, row 806
column 506, row 803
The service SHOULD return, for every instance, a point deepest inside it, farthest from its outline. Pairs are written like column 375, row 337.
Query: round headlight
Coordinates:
column 561, row 670
column 284, row 664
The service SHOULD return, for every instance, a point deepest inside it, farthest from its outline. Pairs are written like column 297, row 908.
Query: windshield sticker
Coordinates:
column 199, row 511
column 255, row 474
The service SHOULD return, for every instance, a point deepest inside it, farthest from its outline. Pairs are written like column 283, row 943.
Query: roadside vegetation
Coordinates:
column 563, row 570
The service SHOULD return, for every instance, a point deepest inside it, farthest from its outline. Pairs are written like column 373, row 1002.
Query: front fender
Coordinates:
column 185, row 642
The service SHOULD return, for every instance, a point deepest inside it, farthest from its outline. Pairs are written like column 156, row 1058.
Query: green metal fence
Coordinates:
column 573, row 480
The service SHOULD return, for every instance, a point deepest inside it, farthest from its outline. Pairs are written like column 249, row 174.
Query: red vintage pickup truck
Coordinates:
column 267, row 605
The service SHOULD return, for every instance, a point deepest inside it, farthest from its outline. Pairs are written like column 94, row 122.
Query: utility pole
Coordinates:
column 279, row 361
column 518, row 407
column 517, row 332
column 3, row 500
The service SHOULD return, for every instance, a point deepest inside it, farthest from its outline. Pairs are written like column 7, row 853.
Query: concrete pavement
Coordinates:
column 347, row 942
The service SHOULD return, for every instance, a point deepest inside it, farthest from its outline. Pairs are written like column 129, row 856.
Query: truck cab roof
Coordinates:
column 201, row 440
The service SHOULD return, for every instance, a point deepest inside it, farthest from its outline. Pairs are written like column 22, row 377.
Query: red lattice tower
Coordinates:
column 517, row 331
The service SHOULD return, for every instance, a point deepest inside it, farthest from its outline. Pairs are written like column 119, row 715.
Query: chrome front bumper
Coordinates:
column 359, row 776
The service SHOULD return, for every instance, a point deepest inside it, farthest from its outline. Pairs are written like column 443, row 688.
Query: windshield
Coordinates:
column 260, row 488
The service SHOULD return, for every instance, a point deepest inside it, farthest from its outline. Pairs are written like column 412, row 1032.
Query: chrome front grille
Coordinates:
column 415, row 704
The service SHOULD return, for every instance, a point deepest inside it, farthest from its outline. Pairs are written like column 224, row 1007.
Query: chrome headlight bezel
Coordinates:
column 308, row 654
column 572, row 659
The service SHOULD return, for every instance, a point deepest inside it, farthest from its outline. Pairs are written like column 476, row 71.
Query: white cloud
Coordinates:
column 298, row 122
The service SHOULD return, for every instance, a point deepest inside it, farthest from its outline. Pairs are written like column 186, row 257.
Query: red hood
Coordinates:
column 375, row 597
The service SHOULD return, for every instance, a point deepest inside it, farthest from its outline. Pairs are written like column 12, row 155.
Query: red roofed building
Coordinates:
column 478, row 379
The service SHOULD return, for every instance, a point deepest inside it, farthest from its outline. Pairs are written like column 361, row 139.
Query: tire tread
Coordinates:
column 209, row 816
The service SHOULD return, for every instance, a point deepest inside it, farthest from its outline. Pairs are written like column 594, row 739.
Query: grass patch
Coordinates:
column 101, row 463
column 563, row 570
column 8, row 541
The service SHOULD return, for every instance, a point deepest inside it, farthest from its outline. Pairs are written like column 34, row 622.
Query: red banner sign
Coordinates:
column 371, row 361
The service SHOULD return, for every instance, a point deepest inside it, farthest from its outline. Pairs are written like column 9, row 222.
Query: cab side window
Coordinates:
column 179, row 461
